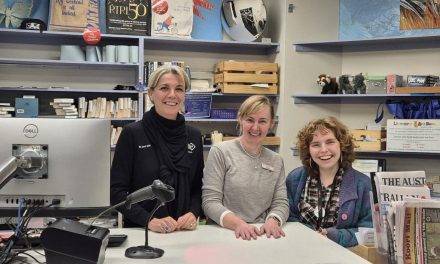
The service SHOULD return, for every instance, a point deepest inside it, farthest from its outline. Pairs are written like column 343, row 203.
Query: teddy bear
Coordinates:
column 359, row 84
column 345, row 85
column 328, row 84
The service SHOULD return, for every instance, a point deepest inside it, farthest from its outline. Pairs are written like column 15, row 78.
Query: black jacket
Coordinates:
column 135, row 165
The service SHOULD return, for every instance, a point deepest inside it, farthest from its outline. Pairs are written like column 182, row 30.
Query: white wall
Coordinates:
column 300, row 70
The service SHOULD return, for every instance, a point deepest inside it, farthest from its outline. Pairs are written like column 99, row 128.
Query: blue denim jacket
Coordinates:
column 354, row 204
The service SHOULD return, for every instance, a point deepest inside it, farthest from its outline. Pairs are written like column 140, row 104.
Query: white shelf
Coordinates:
column 393, row 43
column 384, row 153
column 210, row 120
column 72, row 90
column 353, row 98
column 100, row 65
column 155, row 43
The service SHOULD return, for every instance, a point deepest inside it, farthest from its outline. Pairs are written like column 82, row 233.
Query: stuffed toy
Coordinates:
column 328, row 84
column 359, row 84
column 345, row 85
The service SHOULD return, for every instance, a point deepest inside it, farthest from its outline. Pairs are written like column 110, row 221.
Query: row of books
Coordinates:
column 401, row 217
column 6, row 110
column 100, row 107
column 151, row 66
column 64, row 107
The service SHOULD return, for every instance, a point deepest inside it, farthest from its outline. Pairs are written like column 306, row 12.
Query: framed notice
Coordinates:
column 413, row 135
column 131, row 17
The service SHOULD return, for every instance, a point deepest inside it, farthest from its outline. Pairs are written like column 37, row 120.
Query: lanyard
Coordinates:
column 326, row 208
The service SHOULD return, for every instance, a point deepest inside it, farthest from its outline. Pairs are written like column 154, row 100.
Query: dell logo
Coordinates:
column 30, row 131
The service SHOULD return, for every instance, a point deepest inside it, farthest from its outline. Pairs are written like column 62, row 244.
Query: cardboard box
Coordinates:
column 369, row 145
column 369, row 253
column 413, row 135
column 368, row 135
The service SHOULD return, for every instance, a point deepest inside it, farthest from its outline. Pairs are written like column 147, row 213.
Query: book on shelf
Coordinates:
column 151, row 66
column 123, row 107
column 116, row 132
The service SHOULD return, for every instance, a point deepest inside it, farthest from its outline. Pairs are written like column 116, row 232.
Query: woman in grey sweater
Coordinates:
column 243, row 181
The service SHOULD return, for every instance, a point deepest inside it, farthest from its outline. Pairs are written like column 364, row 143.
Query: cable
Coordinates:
column 29, row 255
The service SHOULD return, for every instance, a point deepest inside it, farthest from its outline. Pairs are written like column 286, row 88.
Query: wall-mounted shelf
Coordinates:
column 386, row 154
column 62, row 90
column 155, row 43
column 394, row 43
column 353, row 98
column 58, row 63
column 197, row 45
column 58, row 37
column 211, row 120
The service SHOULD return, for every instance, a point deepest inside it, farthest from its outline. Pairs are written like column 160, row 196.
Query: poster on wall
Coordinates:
column 128, row 17
column 74, row 15
column 12, row 12
column 419, row 14
column 369, row 19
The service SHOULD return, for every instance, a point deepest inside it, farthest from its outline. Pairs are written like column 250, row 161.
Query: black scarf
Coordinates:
column 170, row 140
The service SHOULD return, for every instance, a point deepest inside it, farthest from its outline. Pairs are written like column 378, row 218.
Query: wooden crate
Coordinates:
column 369, row 145
column 368, row 135
column 240, row 76
column 268, row 141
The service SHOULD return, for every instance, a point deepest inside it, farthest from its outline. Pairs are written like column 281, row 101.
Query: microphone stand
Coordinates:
column 145, row 251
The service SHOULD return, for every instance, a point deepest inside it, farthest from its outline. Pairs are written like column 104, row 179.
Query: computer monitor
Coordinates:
column 76, row 167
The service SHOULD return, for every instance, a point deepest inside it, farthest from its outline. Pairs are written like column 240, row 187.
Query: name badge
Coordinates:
column 267, row 167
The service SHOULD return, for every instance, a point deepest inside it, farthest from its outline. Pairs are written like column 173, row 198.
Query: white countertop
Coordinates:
column 211, row 244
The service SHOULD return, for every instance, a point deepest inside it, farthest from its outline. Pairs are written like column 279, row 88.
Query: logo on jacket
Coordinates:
column 191, row 147
column 144, row 146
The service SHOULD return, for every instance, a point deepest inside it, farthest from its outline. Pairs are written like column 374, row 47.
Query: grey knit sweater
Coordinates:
column 253, row 188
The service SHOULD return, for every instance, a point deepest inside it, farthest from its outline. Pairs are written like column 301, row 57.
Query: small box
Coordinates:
column 393, row 81
column 26, row 107
column 376, row 84
column 422, row 80
column 413, row 135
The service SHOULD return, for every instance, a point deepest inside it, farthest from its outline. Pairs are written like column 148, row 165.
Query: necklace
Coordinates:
column 247, row 153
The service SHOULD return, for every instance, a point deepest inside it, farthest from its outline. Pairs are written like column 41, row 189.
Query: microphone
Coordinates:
column 94, row 238
column 164, row 193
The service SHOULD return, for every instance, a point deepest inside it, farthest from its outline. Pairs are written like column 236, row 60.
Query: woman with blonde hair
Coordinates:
column 326, row 193
column 243, row 181
column 161, row 146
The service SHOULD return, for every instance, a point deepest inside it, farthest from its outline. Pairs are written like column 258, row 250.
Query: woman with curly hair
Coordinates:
column 326, row 193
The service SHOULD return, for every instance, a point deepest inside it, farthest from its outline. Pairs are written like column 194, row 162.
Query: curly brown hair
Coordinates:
column 342, row 134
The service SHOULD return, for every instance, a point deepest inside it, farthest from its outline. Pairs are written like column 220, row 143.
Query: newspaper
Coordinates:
column 402, row 178
column 417, row 234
